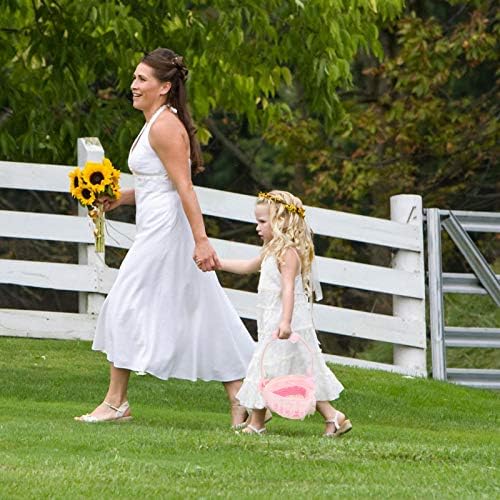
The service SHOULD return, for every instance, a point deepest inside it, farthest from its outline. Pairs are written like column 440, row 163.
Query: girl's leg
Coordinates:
column 332, row 417
column 116, row 395
column 257, row 422
column 239, row 414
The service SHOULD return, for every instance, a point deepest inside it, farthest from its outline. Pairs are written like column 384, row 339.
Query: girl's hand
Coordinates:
column 284, row 330
column 109, row 203
column 205, row 257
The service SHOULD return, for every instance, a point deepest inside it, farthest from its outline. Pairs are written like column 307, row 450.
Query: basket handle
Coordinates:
column 294, row 338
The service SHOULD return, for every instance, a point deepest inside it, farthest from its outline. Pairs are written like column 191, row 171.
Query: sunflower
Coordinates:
column 116, row 191
column 97, row 175
column 75, row 182
column 106, row 162
column 86, row 196
column 115, row 176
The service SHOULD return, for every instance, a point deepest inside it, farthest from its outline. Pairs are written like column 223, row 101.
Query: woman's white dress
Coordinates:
column 163, row 315
column 283, row 357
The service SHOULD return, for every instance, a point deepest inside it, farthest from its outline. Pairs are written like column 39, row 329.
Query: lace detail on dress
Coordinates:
column 284, row 357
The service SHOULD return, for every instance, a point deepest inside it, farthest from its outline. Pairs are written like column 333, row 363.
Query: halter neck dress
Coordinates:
column 163, row 315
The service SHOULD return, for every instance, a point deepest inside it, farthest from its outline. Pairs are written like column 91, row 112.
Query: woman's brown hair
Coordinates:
column 169, row 67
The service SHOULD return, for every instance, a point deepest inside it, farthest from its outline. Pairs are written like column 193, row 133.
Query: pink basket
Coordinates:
column 291, row 396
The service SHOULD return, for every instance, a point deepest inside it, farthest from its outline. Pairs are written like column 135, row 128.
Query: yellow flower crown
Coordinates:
column 293, row 209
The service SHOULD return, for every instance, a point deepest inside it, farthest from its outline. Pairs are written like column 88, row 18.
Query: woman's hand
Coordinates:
column 109, row 203
column 284, row 330
column 204, row 256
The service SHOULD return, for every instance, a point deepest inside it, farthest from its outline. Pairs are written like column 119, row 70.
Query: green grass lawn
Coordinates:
column 412, row 438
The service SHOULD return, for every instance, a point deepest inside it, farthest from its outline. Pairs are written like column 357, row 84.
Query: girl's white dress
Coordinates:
column 283, row 357
column 163, row 315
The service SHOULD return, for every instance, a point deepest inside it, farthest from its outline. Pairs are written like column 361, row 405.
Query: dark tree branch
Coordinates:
column 234, row 150
column 5, row 114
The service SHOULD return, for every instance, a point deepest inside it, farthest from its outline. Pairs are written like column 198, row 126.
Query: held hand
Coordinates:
column 284, row 330
column 109, row 203
column 205, row 257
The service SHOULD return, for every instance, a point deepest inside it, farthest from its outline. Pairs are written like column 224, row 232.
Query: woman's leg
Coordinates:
column 116, row 395
column 239, row 413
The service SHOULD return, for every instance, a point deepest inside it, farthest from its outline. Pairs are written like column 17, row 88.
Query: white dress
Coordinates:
column 283, row 357
column 163, row 315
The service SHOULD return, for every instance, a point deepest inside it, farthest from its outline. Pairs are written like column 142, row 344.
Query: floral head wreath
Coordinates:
column 293, row 209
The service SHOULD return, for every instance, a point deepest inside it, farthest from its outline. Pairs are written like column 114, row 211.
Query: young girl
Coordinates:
column 283, row 307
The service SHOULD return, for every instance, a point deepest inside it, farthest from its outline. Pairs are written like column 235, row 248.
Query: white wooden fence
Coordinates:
column 405, row 280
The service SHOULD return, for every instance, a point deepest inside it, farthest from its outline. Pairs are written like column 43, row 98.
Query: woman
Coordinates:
column 164, row 316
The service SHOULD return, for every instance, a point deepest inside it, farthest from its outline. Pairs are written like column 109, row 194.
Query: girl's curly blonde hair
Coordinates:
column 290, row 230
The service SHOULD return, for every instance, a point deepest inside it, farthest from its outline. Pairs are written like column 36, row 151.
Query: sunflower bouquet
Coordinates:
column 89, row 185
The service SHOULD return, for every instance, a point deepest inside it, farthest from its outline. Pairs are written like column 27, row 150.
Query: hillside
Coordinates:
column 412, row 438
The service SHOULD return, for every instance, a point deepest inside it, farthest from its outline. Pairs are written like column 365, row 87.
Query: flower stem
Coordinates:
column 99, row 229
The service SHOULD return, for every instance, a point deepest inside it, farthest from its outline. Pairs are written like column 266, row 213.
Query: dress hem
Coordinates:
column 143, row 371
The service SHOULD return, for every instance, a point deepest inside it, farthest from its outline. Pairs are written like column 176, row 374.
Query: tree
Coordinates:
column 426, row 119
column 67, row 65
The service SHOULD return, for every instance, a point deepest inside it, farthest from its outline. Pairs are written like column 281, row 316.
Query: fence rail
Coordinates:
column 404, row 280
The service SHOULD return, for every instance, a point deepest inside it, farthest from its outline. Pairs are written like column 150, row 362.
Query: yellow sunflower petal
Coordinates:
column 86, row 196
column 75, row 180
column 97, row 175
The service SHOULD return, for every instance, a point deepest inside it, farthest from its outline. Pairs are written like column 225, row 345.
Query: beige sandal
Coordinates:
column 238, row 410
column 268, row 416
column 243, row 411
column 340, row 429
column 250, row 429
column 122, row 415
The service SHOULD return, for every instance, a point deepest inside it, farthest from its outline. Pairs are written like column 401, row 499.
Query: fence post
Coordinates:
column 436, row 306
column 407, row 209
column 90, row 149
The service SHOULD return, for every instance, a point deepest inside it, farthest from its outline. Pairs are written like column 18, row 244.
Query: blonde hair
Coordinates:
column 290, row 230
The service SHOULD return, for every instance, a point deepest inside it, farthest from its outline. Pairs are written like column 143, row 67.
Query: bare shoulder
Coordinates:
column 292, row 255
column 168, row 132
column 291, row 261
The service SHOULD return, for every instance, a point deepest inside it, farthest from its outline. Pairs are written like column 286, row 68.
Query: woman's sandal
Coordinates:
column 240, row 411
column 250, row 429
column 340, row 429
column 122, row 415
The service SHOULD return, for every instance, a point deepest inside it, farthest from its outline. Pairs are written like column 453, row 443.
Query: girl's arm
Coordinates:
column 288, row 271
column 169, row 139
column 240, row 266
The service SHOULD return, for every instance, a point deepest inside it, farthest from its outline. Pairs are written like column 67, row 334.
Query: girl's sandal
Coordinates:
column 244, row 414
column 339, row 429
column 250, row 429
column 268, row 416
column 122, row 414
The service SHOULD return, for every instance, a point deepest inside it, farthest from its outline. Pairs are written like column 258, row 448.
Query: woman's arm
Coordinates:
column 171, row 143
column 127, row 198
column 240, row 266
column 288, row 271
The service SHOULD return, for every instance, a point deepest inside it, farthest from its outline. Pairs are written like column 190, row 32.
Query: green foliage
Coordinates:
column 410, row 439
column 422, row 121
column 431, row 124
column 68, row 65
